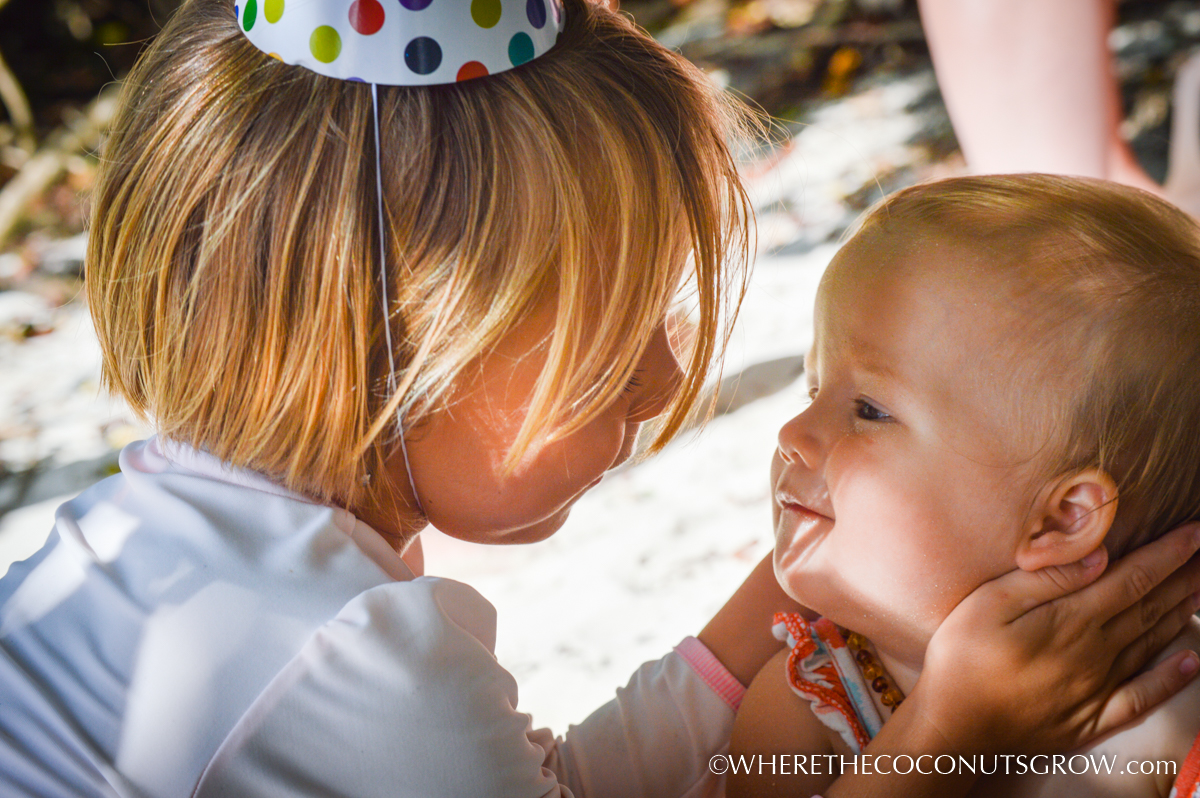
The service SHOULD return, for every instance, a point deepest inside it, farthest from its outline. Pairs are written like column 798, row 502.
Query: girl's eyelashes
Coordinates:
column 869, row 412
column 634, row 383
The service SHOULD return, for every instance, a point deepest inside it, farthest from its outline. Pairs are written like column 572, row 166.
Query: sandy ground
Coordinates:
column 654, row 550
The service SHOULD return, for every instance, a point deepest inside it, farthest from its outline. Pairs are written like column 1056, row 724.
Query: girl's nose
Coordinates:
column 798, row 440
column 660, row 377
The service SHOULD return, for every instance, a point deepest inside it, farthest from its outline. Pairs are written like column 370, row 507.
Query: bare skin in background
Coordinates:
column 1029, row 86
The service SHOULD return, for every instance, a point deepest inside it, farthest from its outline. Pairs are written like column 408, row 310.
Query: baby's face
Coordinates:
column 904, row 484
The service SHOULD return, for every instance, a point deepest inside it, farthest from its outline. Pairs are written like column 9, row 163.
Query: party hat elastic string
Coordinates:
column 387, row 305
column 409, row 43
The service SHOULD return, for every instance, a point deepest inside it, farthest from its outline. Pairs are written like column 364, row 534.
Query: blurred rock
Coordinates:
column 63, row 257
column 760, row 15
column 12, row 268
column 36, row 485
column 23, row 315
column 758, row 381
column 697, row 21
column 1185, row 15
column 1146, row 38
column 880, row 6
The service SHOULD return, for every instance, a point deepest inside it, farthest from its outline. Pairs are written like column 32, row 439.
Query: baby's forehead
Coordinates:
column 941, row 316
column 892, row 257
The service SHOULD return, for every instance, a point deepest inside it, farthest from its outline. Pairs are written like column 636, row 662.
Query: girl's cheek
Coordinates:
column 588, row 453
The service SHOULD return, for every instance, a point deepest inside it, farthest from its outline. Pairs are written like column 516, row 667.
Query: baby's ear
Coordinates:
column 1069, row 520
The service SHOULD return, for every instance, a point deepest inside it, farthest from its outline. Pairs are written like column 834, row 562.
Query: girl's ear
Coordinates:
column 1069, row 520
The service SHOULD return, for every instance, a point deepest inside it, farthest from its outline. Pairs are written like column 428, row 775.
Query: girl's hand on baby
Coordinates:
column 1037, row 661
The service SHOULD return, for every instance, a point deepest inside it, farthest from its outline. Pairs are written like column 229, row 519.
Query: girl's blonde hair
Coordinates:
column 1108, row 279
column 233, row 266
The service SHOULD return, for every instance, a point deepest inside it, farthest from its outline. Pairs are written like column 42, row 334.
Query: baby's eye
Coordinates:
column 869, row 412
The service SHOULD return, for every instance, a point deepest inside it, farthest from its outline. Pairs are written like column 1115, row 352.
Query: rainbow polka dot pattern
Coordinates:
column 402, row 42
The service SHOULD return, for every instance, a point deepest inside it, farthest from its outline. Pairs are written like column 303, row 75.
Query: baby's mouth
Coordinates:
column 789, row 502
column 799, row 532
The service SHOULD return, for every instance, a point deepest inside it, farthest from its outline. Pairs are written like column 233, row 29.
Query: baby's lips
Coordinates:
column 785, row 497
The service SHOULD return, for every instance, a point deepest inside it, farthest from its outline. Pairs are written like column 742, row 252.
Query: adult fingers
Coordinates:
column 1181, row 588
column 1017, row 592
column 1136, row 574
column 1135, row 655
column 1138, row 695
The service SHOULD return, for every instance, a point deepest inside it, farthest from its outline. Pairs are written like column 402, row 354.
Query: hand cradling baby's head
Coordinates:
column 996, row 361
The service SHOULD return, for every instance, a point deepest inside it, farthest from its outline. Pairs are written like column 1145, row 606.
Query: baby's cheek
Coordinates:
column 889, row 539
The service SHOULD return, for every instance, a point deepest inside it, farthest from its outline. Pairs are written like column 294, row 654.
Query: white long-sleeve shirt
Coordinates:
column 192, row 629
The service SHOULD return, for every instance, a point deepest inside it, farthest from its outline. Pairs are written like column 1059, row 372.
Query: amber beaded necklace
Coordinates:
column 873, row 670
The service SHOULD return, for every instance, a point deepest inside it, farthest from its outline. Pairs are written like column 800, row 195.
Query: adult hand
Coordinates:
column 1037, row 661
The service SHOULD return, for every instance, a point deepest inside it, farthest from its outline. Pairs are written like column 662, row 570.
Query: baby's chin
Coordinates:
column 805, row 581
column 812, row 580
column 824, row 596
column 797, row 556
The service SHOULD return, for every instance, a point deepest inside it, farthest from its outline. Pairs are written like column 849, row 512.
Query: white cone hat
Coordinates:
column 402, row 42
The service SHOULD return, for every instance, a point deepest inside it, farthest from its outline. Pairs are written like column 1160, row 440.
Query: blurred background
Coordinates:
column 652, row 552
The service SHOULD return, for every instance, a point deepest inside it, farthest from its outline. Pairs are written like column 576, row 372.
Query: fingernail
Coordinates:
column 1196, row 601
column 1189, row 664
column 1093, row 559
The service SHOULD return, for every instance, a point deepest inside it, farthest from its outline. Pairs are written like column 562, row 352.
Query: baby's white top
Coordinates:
column 192, row 629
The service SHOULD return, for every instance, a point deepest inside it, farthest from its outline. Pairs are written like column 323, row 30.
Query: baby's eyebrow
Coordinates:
column 878, row 368
column 862, row 357
column 869, row 360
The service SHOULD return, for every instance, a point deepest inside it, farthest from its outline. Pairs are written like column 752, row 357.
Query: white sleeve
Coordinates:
column 401, row 695
column 657, row 736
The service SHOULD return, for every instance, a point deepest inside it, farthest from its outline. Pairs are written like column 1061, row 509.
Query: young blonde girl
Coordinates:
column 242, row 611
column 1005, row 374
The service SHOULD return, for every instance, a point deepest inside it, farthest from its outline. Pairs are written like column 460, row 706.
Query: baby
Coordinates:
column 1005, row 374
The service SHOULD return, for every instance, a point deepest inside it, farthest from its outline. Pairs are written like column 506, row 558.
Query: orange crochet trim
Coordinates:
column 835, row 695
column 1186, row 786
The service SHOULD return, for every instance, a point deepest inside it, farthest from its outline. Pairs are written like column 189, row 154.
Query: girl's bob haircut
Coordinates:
column 233, row 265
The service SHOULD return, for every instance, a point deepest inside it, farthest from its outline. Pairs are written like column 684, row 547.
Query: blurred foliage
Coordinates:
column 784, row 55
column 776, row 52
column 64, row 51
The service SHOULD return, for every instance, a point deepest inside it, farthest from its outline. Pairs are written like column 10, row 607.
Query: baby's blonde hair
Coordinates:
column 233, row 267
column 1109, row 279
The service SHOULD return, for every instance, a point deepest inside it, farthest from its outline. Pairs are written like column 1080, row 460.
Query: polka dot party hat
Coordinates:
column 402, row 42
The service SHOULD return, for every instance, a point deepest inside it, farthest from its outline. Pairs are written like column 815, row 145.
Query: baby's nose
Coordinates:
column 798, row 442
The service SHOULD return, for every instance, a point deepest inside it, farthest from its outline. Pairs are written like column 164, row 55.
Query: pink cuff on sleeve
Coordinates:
column 711, row 671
